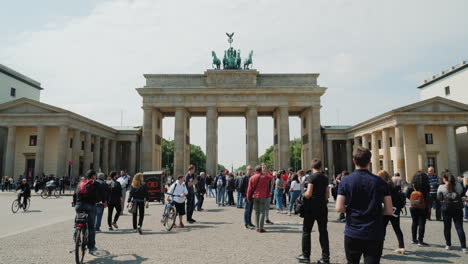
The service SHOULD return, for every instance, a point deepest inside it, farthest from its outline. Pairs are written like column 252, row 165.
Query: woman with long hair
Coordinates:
column 138, row 196
column 418, row 194
column 295, row 191
column 450, row 194
column 395, row 218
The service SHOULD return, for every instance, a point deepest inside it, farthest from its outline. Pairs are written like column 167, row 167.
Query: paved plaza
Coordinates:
column 44, row 235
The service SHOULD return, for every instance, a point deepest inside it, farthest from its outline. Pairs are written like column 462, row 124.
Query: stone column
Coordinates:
column 452, row 151
column 40, row 149
column 147, row 140
column 399, row 152
column 76, row 151
column 315, row 133
column 180, row 141
column 386, row 151
column 356, row 143
column 283, row 137
column 365, row 141
column 132, row 161
column 10, row 152
column 375, row 153
column 105, row 156
column 87, row 152
column 97, row 154
column 422, row 155
column 212, row 140
column 62, row 153
column 252, row 136
column 331, row 167
column 113, row 152
column 349, row 155
column 275, row 142
column 156, row 137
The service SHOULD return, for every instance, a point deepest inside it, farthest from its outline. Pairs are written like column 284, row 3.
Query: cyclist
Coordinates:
column 50, row 185
column 25, row 192
column 179, row 190
column 84, row 200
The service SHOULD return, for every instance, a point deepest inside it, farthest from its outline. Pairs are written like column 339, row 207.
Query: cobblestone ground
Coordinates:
column 217, row 237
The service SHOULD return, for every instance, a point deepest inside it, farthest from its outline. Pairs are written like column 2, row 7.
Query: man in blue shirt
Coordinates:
column 434, row 182
column 360, row 196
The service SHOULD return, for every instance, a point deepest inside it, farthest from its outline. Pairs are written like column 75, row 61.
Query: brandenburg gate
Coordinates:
column 231, row 91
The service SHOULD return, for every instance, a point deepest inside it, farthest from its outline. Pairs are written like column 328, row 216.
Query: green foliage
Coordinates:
column 197, row 157
column 268, row 157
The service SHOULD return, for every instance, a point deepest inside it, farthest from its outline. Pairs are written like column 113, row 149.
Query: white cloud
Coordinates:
column 92, row 64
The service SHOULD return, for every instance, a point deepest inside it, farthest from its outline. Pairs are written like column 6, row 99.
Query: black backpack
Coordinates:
column 299, row 206
column 452, row 201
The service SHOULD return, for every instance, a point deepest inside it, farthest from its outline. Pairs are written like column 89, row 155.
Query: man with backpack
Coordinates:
column 240, row 198
column 360, row 196
column 103, row 193
column 434, row 183
column 220, row 181
column 124, row 181
column 230, row 187
column 84, row 200
column 201, row 191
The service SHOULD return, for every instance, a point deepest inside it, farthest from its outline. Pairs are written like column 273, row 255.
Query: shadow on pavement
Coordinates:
column 122, row 259
column 415, row 258
column 281, row 229
column 213, row 210
column 33, row 211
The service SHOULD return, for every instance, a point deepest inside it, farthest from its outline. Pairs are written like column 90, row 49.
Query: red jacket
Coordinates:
column 259, row 186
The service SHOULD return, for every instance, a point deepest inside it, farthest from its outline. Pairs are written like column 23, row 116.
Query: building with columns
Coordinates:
column 216, row 93
column 403, row 140
column 40, row 138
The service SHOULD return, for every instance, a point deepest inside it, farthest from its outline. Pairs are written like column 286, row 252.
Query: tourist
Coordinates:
column 190, row 182
column 339, row 178
column 271, row 186
column 278, row 194
column 248, row 204
column 25, row 192
column 397, row 181
column 394, row 219
column 113, row 200
column 230, row 187
column 138, row 196
column 295, row 192
column 450, row 193
column 240, row 193
column 302, row 177
column 258, row 193
column 3, row 183
column 201, row 191
column 361, row 195
column 84, row 200
column 285, row 178
column 220, row 182
column 418, row 194
column 103, row 194
column 315, row 209
column 180, row 192
column 209, row 182
column 62, row 185
column 124, row 181
column 434, row 203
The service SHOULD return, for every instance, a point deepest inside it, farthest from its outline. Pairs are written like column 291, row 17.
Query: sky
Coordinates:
column 371, row 55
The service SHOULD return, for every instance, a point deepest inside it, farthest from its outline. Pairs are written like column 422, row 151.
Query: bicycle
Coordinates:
column 16, row 205
column 169, row 214
column 46, row 193
column 80, row 236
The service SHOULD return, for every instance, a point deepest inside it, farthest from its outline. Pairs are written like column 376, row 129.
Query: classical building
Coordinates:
column 14, row 85
column 217, row 93
column 40, row 138
column 403, row 140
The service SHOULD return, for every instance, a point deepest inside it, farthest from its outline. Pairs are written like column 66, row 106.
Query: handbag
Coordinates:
column 133, row 208
column 299, row 206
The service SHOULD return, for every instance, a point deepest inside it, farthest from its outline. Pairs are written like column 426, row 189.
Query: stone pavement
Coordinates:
column 217, row 237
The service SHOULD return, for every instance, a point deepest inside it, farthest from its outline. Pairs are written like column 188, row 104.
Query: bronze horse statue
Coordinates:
column 216, row 61
column 248, row 61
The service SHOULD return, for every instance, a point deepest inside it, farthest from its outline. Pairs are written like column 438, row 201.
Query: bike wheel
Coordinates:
column 44, row 194
column 79, row 247
column 57, row 193
column 170, row 218
column 27, row 206
column 15, row 206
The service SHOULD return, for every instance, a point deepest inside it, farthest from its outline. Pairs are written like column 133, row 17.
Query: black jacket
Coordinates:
column 245, row 184
column 201, row 189
column 92, row 197
column 25, row 189
column 140, row 193
column 114, row 191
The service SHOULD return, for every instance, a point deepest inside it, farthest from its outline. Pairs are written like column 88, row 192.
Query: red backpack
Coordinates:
column 85, row 187
column 417, row 200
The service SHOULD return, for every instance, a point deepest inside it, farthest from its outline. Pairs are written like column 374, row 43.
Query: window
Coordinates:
column 370, row 145
column 447, row 90
column 71, row 142
column 429, row 139
column 82, row 145
column 390, row 140
column 32, row 140
column 92, row 147
column 380, row 143
column 13, row 92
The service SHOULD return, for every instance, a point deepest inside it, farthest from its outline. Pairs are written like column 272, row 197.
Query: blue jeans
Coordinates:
column 210, row 192
column 221, row 195
column 99, row 213
column 200, row 199
column 240, row 200
column 90, row 209
column 248, row 212
column 294, row 196
column 279, row 199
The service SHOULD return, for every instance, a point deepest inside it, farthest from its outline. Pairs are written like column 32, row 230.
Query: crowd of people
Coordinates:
column 367, row 203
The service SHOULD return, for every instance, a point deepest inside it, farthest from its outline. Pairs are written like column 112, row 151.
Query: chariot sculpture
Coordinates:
column 232, row 58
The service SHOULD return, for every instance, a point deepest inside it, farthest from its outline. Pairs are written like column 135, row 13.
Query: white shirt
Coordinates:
column 123, row 181
column 295, row 186
column 178, row 189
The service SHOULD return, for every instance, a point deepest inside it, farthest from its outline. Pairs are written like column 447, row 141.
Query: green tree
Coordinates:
column 268, row 157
